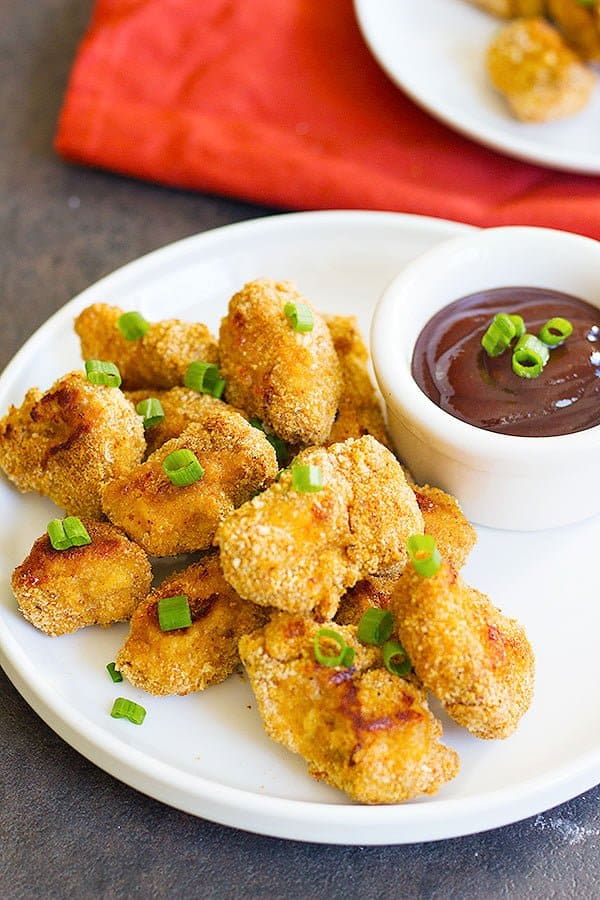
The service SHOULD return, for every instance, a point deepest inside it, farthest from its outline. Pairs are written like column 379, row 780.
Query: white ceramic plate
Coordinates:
column 207, row 753
column 435, row 51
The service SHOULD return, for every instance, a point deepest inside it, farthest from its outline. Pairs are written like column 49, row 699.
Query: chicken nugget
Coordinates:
column 540, row 76
column 159, row 359
column 578, row 23
column 60, row 591
column 300, row 551
column 289, row 380
column 359, row 411
column 166, row 519
column 189, row 659
column 360, row 729
column 445, row 521
column 511, row 9
column 67, row 442
column 475, row 660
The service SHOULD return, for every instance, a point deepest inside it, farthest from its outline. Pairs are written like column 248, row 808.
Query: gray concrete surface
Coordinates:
column 68, row 830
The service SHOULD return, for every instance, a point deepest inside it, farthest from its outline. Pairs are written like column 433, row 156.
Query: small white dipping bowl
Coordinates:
column 520, row 483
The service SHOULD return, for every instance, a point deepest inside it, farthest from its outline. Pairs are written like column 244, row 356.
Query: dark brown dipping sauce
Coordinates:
column 450, row 366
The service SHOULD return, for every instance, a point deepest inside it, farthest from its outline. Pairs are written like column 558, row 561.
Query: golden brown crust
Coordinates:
column 66, row 443
column 359, row 411
column 193, row 658
column 541, row 78
column 166, row 519
column 362, row 730
column 579, row 26
column 158, row 360
column 98, row 584
column 299, row 552
column 475, row 660
column 444, row 520
column 290, row 381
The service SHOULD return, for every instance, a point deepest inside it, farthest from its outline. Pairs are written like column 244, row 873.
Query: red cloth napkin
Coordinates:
column 280, row 102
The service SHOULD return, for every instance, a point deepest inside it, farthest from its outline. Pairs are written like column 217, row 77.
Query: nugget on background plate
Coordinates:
column 288, row 379
column 67, row 442
column 475, row 660
column 361, row 729
column 192, row 658
column 159, row 359
column 300, row 551
column 579, row 24
column 60, row 591
column 445, row 521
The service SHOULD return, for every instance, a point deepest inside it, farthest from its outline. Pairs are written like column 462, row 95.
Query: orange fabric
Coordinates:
column 280, row 102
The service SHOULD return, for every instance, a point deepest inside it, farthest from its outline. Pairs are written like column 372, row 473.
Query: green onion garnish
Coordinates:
column 518, row 323
column 375, row 626
column 127, row 709
column 300, row 316
column 499, row 334
column 182, row 467
column 151, row 412
column 307, row 479
column 66, row 533
column 99, row 372
column 342, row 658
column 588, row 3
column 204, row 377
column 395, row 658
column 529, row 357
column 114, row 672
column 282, row 450
column 132, row 326
column 423, row 554
column 555, row 331
column 174, row 612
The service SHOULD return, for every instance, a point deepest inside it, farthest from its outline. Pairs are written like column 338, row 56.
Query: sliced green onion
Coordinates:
column 174, row 612
column 132, row 326
column 348, row 657
column 529, row 357
column 151, row 412
column 281, row 448
column 423, row 554
column 99, row 372
column 218, row 388
column 127, row 709
column 66, row 533
column 395, row 658
column 114, row 672
column 326, row 659
column 182, row 467
column 204, row 377
column 307, row 479
column 519, row 324
column 375, row 626
column 499, row 334
column 588, row 3
column 300, row 316
column 555, row 331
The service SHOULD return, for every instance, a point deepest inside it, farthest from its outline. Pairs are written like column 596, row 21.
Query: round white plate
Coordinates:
column 435, row 51
column 207, row 753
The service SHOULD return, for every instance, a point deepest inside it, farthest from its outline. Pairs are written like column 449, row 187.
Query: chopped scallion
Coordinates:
column 99, row 372
column 182, row 467
column 204, row 377
column 300, row 316
column 375, row 626
column 529, row 357
column 132, row 326
column 151, row 412
column 67, row 533
column 423, row 554
column 114, row 672
column 395, row 658
column 555, row 331
column 499, row 334
column 174, row 612
column 327, row 659
column 307, row 479
column 127, row 709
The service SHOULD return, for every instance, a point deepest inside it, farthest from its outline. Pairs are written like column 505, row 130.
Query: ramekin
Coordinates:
column 502, row 481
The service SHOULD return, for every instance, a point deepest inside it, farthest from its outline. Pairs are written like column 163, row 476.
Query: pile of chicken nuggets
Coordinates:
column 274, row 564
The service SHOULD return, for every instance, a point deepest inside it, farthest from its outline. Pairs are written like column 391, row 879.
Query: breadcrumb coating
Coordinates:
column 67, row 442
column 511, row 9
column 60, row 591
column 475, row 660
column 579, row 25
column 445, row 521
column 360, row 729
column 539, row 75
column 290, row 381
column 359, row 411
column 300, row 551
column 157, row 360
column 166, row 519
column 193, row 658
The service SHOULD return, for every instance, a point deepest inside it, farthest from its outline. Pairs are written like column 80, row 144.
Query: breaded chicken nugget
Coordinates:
column 60, row 591
column 290, row 381
column 454, row 536
column 193, row 658
column 300, row 551
column 358, row 599
column 541, row 78
column 66, row 443
column 159, row 359
column 475, row 660
column 359, row 411
column 578, row 24
column 361, row 729
column 511, row 9
column 166, row 519
column 182, row 407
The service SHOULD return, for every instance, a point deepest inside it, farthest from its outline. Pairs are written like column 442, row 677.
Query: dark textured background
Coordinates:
column 66, row 828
